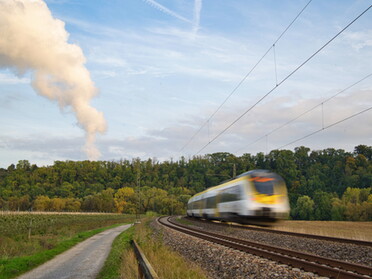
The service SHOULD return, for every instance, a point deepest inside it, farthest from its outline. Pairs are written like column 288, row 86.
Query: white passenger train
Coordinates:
column 256, row 194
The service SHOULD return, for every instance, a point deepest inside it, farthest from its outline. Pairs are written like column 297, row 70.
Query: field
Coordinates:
column 352, row 230
column 31, row 238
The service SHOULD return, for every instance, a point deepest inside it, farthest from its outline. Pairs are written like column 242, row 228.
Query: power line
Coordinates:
column 302, row 114
column 324, row 128
column 245, row 77
column 285, row 79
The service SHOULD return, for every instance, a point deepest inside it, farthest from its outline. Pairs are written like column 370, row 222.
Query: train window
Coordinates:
column 190, row 205
column 264, row 185
column 211, row 202
column 231, row 194
column 199, row 204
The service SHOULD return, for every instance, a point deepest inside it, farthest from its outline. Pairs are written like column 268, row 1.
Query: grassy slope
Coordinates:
column 120, row 247
column 122, row 263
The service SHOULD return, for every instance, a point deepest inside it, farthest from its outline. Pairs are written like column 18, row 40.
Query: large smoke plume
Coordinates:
column 32, row 40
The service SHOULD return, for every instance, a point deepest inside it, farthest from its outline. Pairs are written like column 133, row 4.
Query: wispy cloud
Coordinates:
column 167, row 11
column 359, row 39
column 197, row 11
column 196, row 14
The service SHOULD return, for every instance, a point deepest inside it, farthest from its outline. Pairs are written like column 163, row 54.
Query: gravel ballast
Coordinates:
column 327, row 249
column 222, row 262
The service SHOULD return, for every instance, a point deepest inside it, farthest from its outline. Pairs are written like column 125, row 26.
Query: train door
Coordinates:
column 217, row 213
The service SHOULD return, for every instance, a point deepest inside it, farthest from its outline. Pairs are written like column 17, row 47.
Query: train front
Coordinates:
column 267, row 196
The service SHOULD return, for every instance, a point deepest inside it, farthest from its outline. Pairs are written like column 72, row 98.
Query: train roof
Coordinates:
column 239, row 177
column 257, row 171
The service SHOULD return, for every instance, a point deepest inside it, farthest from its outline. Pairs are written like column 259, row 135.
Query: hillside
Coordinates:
column 328, row 184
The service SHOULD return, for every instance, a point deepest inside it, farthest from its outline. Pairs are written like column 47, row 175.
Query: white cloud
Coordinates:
column 359, row 39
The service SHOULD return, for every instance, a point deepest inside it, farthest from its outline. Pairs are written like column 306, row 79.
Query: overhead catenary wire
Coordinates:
column 245, row 77
column 276, row 72
column 285, row 79
column 307, row 111
column 326, row 127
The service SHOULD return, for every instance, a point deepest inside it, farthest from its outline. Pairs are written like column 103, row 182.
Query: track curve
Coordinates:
column 322, row 266
column 311, row 236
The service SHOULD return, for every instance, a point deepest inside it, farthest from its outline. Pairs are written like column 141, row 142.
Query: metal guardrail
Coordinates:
column 145, row 269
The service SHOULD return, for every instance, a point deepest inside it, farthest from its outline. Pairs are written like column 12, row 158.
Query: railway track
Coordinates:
column 322, row 266
column 311, row 236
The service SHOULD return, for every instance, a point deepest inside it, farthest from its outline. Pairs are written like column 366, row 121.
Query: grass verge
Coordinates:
column 9, row 268
column 166, row 262
column 119, row 250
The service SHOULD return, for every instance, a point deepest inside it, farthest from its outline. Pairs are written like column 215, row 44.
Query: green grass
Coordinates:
column 166, row 262
column 120, row 247
column 12, row 267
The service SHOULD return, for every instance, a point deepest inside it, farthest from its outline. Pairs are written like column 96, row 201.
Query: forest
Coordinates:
column 329, row 184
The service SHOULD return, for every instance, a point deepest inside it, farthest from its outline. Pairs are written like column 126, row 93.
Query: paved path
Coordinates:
column 82, row 261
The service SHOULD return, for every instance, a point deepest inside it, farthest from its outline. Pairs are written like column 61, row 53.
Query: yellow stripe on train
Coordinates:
column 266, row 199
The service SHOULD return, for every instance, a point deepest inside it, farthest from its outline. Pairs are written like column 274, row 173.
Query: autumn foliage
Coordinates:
column 329, row 184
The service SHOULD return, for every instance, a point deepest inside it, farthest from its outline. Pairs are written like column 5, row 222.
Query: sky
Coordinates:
column 114, row 79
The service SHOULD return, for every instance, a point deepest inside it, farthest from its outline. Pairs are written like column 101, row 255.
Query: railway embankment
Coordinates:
column 223, row 262
column 358, row 254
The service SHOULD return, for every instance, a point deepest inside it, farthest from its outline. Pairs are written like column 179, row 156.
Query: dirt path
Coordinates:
column 82, row 261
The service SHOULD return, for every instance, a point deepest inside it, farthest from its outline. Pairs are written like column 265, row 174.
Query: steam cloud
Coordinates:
column 32, row 40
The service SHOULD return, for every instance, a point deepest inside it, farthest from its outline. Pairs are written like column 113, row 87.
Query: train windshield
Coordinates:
column 264, row 185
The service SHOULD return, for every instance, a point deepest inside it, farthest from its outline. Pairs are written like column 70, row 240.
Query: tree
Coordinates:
column 19, row 203
column 364, row 150
column 323, row 205
column 72, row 205
column 123, row 199
column 304, row 208
column 151, row 198
column 42, row 203
column 108, row 203
column 351, row 195
column 338, row 210
column 23, row 165
column 57, row 204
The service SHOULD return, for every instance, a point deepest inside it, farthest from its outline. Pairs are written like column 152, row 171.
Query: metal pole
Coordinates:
column 138, row 214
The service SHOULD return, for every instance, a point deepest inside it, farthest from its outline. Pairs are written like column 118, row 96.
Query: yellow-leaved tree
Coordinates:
column 123, row 199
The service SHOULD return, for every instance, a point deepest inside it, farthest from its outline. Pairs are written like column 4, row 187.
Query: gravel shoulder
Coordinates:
column 83, row 261
column 222, row 262
column 328, row 249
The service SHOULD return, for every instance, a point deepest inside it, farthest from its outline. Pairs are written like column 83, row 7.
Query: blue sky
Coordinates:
column 162, row 68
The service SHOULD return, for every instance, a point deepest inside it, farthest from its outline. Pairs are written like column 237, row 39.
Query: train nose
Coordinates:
column 264, row 211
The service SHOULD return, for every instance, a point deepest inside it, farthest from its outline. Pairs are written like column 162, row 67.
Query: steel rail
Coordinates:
column 322, row 266
column 311, row 236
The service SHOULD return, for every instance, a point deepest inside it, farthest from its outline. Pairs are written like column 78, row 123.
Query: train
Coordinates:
column 256, row 195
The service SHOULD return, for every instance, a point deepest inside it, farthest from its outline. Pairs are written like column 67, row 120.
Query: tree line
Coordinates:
column 329, row 184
